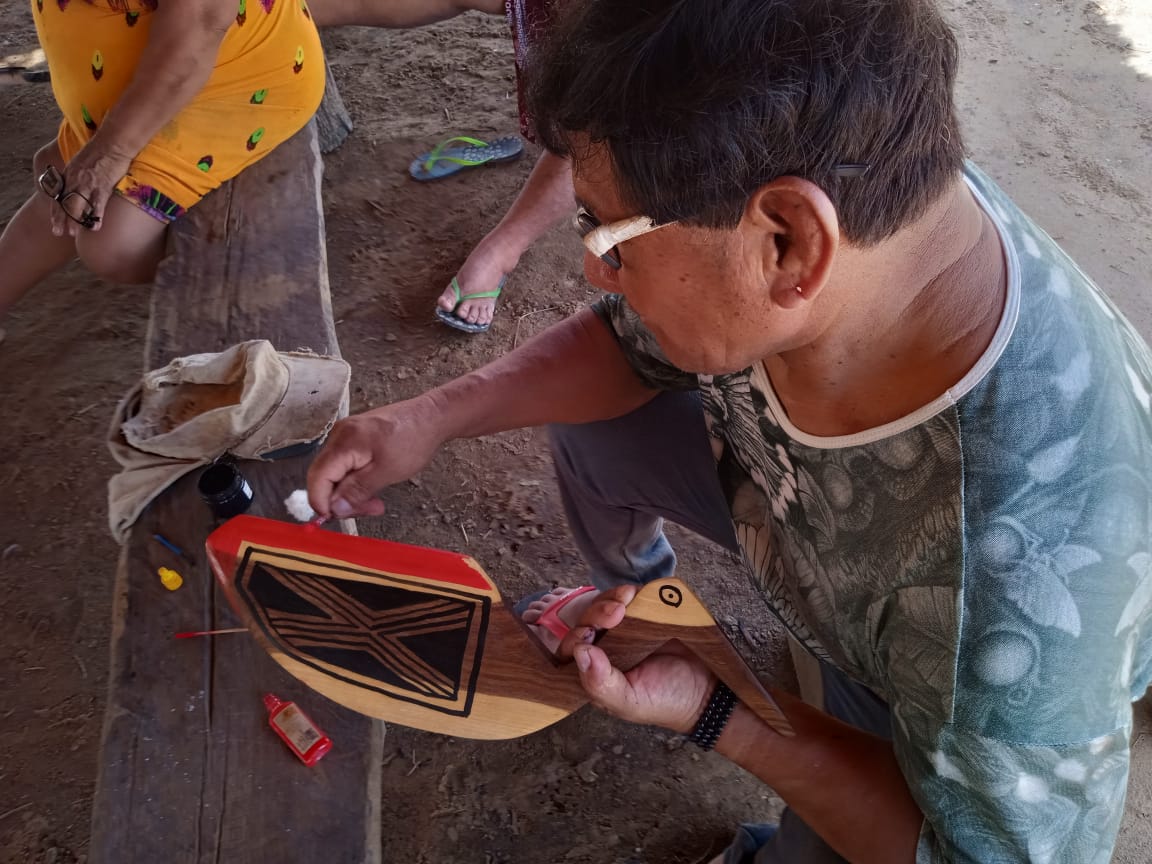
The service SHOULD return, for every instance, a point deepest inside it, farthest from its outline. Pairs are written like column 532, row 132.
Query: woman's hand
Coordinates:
column 183, row 42
column 93, row 173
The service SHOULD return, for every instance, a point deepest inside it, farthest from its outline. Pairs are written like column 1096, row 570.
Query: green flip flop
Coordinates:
column 454, row 320
column 456, row 154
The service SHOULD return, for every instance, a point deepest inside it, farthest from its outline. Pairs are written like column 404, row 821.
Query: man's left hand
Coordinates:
column 669, row 689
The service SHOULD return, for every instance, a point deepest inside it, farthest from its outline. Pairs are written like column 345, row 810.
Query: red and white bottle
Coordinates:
column 303, row 737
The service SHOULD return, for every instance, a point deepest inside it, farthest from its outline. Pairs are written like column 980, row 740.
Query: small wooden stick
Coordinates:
column 315, row 523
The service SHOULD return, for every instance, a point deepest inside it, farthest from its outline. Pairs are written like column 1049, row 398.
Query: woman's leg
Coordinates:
column 128, row 246
column 544, row 200
column 29, row 251
column 126, row 249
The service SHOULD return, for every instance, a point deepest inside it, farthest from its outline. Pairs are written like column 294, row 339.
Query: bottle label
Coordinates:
column 297, row 728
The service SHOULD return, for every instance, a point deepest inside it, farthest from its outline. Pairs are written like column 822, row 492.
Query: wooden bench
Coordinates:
column 189, row 771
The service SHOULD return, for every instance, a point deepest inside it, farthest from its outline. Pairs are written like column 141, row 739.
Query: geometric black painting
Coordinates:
column 374, row 631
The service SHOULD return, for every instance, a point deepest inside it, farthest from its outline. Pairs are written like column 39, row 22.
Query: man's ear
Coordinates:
column 798, row 233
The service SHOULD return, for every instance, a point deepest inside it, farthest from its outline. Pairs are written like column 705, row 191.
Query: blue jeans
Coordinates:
column 619, row 480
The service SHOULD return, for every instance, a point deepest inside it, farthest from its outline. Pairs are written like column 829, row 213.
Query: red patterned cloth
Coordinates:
column 528, row 20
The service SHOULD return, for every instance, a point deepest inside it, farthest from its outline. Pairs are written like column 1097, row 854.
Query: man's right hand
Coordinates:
column 573, row 372
column 369, row 451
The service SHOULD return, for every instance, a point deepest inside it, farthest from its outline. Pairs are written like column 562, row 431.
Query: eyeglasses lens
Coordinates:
column 51, row 182
column 586, row 223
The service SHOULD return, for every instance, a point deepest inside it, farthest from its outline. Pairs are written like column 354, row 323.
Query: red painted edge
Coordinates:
column 434, row 564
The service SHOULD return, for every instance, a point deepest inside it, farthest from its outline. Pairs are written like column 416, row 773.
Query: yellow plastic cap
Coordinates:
column 170, row 579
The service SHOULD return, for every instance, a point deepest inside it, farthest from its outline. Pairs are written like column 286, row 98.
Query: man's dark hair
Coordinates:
column 701, row 102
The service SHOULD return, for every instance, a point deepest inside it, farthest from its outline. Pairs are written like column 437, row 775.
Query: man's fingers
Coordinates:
column 364, row 454
column 351, row 498
column 355, row 495
column 334, row 463
column 323, row 475
column 607, row 685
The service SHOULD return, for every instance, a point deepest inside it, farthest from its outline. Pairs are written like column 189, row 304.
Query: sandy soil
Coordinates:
column 1054, row 108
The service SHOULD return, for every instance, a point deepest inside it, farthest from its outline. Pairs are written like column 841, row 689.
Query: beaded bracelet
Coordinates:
column 715, row 717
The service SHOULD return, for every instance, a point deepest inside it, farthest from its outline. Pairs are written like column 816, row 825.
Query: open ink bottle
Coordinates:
column 224, row 489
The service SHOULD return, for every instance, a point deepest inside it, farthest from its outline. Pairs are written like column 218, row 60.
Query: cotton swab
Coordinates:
column 297, row 505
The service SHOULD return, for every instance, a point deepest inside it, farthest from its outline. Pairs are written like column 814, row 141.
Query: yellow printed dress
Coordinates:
column 267, row 83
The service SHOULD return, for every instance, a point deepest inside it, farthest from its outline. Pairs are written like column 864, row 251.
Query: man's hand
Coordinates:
column 669, row 689
column 369, row 451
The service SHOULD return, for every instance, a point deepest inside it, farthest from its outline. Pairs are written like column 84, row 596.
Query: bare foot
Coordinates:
column 570, row 613
column 488, row 263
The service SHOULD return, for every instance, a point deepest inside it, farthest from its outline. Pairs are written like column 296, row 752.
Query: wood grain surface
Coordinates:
column 189, row 771
column 421, row 636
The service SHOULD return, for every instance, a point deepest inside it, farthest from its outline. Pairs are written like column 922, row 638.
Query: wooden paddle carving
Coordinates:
column 421, row 637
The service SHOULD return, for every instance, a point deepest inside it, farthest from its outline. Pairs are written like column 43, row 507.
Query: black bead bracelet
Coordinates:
column 715, row 717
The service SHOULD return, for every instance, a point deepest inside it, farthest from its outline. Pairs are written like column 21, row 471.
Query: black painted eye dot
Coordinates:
column 671, row 595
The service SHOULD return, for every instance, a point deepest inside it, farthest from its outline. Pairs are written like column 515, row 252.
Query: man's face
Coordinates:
column 702, row 292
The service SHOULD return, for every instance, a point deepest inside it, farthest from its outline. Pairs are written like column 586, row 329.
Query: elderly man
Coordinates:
column 830, row 342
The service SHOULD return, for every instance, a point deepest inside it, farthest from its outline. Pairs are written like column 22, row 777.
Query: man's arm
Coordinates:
column 843, row 782
column 939, row 792
column 574, row 372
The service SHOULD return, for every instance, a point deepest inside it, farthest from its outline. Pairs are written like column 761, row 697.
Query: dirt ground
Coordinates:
column 1057, row 104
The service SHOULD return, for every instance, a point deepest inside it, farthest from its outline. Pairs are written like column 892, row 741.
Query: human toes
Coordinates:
column 480, row 311
column 603, row 612
column 469, row 312
column 537, row 607
column 608, row 608
column 447, row 300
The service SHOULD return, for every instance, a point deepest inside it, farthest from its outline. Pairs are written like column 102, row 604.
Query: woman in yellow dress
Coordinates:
column 162, row 103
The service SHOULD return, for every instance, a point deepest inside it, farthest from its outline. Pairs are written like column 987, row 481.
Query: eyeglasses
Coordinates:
column 601, row 240
column 51, row 183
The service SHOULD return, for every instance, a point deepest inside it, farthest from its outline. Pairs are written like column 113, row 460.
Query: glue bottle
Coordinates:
column 303, row 737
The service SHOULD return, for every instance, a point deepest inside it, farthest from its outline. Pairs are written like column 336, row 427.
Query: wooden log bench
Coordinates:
column 189, row 771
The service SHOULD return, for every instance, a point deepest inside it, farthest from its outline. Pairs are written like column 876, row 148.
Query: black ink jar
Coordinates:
column 225, row 490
